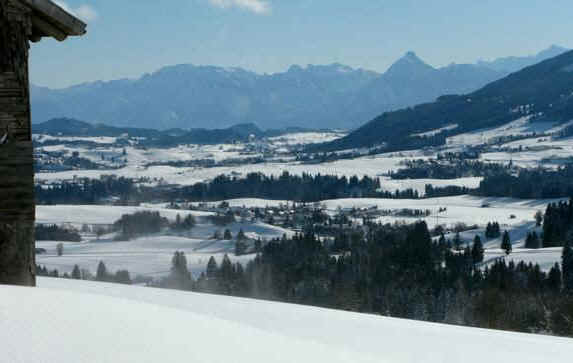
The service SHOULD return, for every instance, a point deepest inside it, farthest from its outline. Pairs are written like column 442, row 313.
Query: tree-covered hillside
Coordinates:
column 543, row 92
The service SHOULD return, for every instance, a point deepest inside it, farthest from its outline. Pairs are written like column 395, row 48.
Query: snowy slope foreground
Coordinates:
column 77, row 321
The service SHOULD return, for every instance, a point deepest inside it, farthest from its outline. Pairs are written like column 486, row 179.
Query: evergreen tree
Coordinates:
column 76, row 273
column 226, row 269
column 506, row 243
column 212, row 268
column 189, row 222
column 101, row 273
column 477, row 250
column 227, row 235
column 567, row 267
column 554, row 278
column 532, row 240
column 180, row 277
column 122, row 277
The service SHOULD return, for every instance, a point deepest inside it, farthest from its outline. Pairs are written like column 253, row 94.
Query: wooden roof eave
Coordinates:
column 50, row 20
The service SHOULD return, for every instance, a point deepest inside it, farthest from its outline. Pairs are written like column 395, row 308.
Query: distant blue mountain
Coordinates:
column 329, row 96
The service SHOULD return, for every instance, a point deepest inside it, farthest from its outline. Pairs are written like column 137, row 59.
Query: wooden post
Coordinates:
column 17, row 207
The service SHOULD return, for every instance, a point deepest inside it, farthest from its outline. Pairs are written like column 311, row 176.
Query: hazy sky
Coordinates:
column 127, row 38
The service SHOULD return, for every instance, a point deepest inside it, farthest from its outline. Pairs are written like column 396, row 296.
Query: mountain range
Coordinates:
column 542, row 92
column 316, row 96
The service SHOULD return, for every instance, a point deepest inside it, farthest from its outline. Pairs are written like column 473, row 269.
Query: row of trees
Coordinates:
column 87, row 191
column 307, row 188
column 532, row 184
column 431, row 169
column 147, row 222
column 102, row 274
column 56, row 233
column 304, row 188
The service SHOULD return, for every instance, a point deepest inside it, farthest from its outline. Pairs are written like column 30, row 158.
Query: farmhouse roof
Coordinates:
column 50, row 20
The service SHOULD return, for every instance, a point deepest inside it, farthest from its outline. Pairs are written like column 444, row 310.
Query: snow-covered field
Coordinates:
column 114, row 323
column 147, row 256
column 466, row 209
column 372, row 166
column 536, row 150
column 306, row 138
column 151, row 256
column 100, row 214
column 521, row 126
column 544, row 257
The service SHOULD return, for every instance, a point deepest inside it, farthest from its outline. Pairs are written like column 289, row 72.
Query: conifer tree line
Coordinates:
column 398, row 271
column 445, row 168
column 144, row 223
column 102, row 274
column 529, row 184
column 492, row 230
column 56, row 233
column 558, row 224
column 304, row 188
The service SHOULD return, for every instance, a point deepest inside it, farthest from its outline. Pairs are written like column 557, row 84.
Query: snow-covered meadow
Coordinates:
column 147, row 256
column 151, row 255
column 114, row 323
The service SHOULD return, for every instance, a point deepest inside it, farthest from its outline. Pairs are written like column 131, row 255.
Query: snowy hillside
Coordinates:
column 71, row 321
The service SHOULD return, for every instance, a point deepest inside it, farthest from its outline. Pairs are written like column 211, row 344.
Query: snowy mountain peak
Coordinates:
column 411, row 55
column 408, row 65
column 553, row 51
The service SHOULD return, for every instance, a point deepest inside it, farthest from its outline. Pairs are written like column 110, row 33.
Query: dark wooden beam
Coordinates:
column 57, row 17
column 43, row 27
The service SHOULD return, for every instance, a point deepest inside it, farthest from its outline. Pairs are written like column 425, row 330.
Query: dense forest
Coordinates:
column 87, row 191
column 437, row 169
column 397, row 271
column 305, row 188
column 558, row 224
column 529, row 184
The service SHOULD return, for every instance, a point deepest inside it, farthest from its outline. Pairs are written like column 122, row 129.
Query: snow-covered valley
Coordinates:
column 151, row 255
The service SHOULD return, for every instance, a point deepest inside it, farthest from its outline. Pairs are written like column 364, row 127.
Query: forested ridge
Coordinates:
column 544, row 87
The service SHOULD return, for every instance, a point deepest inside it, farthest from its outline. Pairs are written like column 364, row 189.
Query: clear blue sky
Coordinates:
column 127, row 38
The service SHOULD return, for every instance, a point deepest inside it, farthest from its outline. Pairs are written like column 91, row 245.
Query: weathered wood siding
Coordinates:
column 17, row 258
